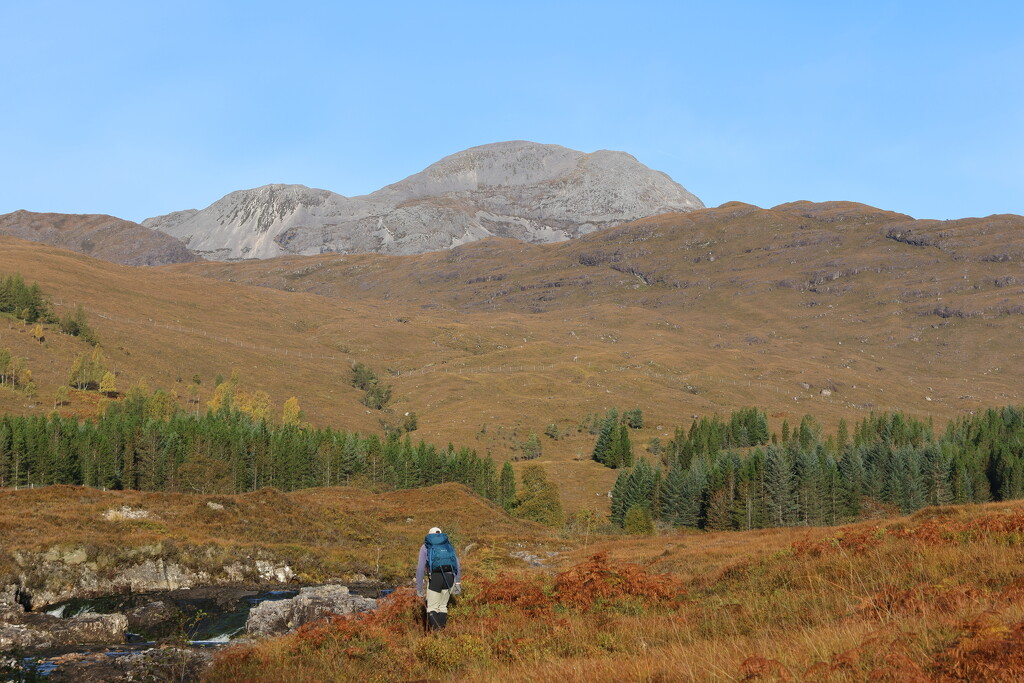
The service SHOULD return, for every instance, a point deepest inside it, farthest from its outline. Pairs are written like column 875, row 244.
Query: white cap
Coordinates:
column 434, row 530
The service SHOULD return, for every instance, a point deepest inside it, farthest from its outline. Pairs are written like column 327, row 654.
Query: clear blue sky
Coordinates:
column 140, row 108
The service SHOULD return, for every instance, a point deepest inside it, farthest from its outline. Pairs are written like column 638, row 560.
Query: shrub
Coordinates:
column 452, row 653
column 639, row 520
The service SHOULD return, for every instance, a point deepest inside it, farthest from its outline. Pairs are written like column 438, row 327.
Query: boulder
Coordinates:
column 89, row 629
column 280, row 616
column 9, row 594
column 153, row 617
column 21, row 637
column 11, row 613
column 39, row 631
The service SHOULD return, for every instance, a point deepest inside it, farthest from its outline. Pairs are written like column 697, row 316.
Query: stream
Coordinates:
column 199, row 618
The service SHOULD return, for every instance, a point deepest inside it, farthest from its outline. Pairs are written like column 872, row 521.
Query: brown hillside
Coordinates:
column 103, row 237
column 833, row 309
column 936, row 596
column 320, row 532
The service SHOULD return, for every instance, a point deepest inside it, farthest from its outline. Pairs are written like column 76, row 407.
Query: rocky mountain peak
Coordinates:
column 524, row 190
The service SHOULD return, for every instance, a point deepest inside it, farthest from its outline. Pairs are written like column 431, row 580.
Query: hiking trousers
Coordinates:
column 437, row 601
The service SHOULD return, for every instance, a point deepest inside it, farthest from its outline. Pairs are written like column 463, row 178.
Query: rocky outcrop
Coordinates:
column 523, row 190
column 42, row 631
column 155, row 664
column 280, row 616
column 57, row 581
column 152, row 617
column 60, row 574
column 11, row 613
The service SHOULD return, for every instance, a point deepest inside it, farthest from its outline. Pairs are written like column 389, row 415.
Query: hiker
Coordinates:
column 438, row 561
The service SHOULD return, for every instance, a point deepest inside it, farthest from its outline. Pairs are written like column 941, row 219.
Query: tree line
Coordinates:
column 28, row 303
column 146, row 442
column 139, row 443
column 890, row 463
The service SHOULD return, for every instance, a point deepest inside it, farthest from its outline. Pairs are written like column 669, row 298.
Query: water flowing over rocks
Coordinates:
column 273, row 618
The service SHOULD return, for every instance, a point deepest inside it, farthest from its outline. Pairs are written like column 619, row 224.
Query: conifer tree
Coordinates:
column 807, row 489
column 694, row 486
column 672, row 495
column 622, row 450
column 852, row 470
column 842, row 436
column 605, row 437
column 718, row 516
column 618, row 498
column 912, row 484
column 507, row 487
column 779, row 487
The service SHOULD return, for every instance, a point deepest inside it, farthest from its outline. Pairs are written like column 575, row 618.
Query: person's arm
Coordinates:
column 456, row 586
column 421, row 566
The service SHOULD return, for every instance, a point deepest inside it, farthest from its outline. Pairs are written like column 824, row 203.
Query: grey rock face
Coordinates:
column 8, row 594
column 11, row 613
column 36, row 631
column 281, row 616
column 152, row 615
column 55, row 576
column 61, row 581
column 523, row 190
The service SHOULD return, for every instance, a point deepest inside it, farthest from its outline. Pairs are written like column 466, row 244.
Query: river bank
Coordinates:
column 121, row 636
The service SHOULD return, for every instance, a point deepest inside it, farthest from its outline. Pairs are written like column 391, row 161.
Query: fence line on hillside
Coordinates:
column 688, row 381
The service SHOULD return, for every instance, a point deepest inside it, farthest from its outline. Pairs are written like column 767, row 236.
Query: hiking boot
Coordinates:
column 434, row 620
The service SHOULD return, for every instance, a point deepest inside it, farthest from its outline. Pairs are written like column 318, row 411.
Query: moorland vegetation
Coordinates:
column 822, row 316
column 932, row 597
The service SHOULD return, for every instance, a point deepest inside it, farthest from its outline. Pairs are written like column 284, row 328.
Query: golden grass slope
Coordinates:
column 320, row 533
column 938, row 596
column 833, row 309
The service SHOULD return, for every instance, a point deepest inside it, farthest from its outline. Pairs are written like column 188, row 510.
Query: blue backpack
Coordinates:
column 440, row 552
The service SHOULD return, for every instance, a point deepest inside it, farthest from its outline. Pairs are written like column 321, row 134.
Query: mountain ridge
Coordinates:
column 97, row 235
column 527, row 191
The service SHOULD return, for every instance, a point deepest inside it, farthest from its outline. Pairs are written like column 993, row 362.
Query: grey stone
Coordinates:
column 9, row 594
column 38, row 631
column 21, row 637
column 152, row 615
column 281, row 616
column 522, row 190
column 11, row 613
column 89, row 629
